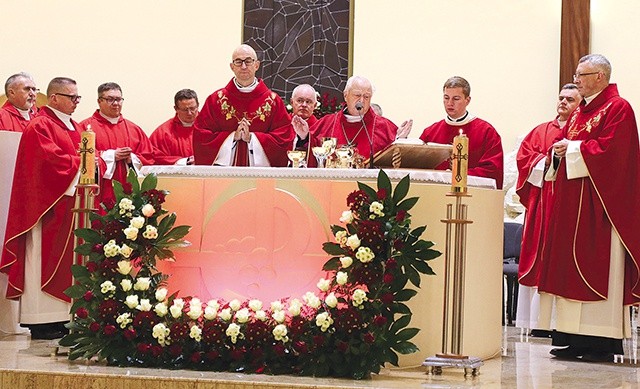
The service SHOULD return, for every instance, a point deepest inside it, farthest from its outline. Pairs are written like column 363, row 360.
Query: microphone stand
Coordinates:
column 369, row 137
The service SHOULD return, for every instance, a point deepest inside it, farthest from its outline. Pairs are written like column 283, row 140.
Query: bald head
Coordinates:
column 244, row 64
column 304, row 100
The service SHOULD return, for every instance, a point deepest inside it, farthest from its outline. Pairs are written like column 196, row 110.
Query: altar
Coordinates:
column 258, row 233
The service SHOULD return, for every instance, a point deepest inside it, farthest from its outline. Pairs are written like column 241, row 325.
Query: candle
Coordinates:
column 88, row 157
column 459, row 163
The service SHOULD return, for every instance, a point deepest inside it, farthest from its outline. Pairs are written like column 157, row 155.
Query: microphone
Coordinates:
column 359, row 107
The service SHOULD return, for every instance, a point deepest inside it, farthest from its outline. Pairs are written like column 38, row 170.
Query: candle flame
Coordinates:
column 460, row 131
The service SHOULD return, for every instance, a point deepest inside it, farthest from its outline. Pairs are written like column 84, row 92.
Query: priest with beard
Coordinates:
column 121, row 144
column 244, row 123
column 589, row 278
column 357, row 125
column 485, row 146
column 38, row 244
column 536, row 196
column 173, row 140
column 20, row 107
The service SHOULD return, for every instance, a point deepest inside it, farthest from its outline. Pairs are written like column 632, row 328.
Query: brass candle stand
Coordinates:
column 452, row 352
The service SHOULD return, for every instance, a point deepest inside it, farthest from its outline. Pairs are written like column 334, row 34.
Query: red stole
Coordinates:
column 221, row 113
column 48, row 150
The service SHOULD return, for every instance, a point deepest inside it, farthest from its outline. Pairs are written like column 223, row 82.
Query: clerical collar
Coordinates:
column 246, row 89
column 351, row 118
column 66, row 119
column 24, row 113
column 110, row 120
column 589, row 99
column 185, row 124
column 461, row 121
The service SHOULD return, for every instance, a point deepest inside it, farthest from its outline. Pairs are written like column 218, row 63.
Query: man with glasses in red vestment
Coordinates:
column 173, row 140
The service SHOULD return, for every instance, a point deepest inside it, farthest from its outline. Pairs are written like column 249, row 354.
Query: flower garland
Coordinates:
column 354, row 324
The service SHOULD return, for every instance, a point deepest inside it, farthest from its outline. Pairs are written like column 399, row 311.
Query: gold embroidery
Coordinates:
column 574, row 130
column 262, row 113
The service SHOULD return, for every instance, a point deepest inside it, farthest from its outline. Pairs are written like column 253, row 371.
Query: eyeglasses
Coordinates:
column 112, row 100
column 31, row 89
column 74, row 98
column 247, row 61
column 188, row 109
column 578, row 75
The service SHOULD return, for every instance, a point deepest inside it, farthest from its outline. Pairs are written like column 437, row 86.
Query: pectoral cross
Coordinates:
column 83, row 153
column 458, row 157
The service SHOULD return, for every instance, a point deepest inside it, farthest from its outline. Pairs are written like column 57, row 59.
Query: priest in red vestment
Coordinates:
column 304, row 100
column 38, row 244
column 121, row 144
column 485, row 146
column 357, row 125
column 591, row 253
column 173, row 140
column 244, row 123
column 20, row 106
column 537, row 197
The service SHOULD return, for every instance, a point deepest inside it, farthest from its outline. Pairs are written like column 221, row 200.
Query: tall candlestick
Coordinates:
column 88, row 157
column 460, row 163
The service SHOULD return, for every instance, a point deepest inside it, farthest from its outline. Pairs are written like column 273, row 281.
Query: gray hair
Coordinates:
column 57, row 83
column 600, row 62
column 185, row 94
column 12, row 79
column 300, row 87
column 458, row 82
column 358, row 80
column 107, row 86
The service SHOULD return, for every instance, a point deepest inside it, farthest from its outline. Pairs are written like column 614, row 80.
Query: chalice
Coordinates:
column 345, row 156
column 297, row 158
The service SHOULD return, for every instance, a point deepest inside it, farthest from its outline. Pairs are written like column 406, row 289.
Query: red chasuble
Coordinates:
column 46, row 164
column 534, row 148
column 171, row 142
column 381, row 131
column 577, row 248
column 221, row 113
column 485, row 147
column 307, row 144
column 111, row 136
column 12, row 120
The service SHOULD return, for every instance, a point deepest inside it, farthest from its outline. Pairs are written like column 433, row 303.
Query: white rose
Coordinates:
column 161, row 294
column 148, row 210
column 347, row 217
column 179, row 303
column 142, row 283
column 150, row 232
column 126, row 284
column 261, row 315
column 161, row 309
column 126, row 251
column 280, row 333
column 353, row 242
column 276, row 305
column 242, row 316
column 255, row 305
column 132, row 301
column 131, row 233
column 225, row 314
column 124, row 267
column 323, row 284
column 210, row 313
column 312, row 300
column 234, row 304
column 195, row 308
column 295, row 306
column 137, row 222
column 107, row 287
column 346, row 262
column 278, row 316
column 195, row 333
column 331, row 300
column 145, row 305
column 341, row 278
column 176, row 311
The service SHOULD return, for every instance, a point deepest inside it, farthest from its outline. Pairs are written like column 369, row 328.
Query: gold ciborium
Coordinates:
column 298, row 158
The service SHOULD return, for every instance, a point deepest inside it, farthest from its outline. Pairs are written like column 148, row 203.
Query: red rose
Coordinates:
column 368, row 338
column 92, row 266
column 300, row 347
column 156, row 350
column 212, row 355
column 382, row 194
column 130, row 334
column 401, row 215
column 94, row 327
column 127, row 188
column 143, row 348
column 196, row 357
column 387, row 298
column 387, row 278
column 398, row 244
column 88, row 295
column 109, row 330
column 391, row 264
column 82, row 313
column 380, row 320
column 97, row 248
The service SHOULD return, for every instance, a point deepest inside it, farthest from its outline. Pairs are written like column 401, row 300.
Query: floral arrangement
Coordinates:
column 356, row 322
column 326, row 105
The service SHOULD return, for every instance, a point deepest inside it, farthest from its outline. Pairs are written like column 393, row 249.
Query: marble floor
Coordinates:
column 524, row 363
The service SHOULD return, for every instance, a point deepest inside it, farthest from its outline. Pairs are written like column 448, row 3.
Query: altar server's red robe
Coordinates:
column 171, row 142
column 577, row 247
column 485, row 147
column 111, row 136
column 537, row 200
column 46, row 164
column 12, row 120
column 381, row 130
column 219, row 118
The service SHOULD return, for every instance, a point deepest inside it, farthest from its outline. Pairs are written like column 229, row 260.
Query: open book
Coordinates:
column 412, row 153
